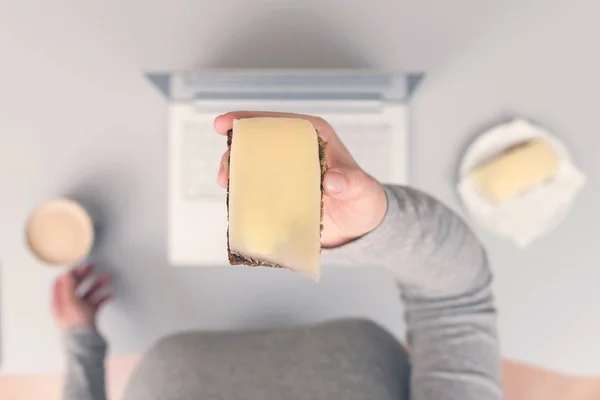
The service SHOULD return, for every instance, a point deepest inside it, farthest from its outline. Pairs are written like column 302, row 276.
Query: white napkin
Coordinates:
column 533, row 213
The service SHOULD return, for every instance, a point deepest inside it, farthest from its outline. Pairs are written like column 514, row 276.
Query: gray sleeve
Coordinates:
column 86, row 350
column 443, row 275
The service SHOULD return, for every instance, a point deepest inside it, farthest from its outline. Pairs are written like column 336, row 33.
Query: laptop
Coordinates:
column 368, row 110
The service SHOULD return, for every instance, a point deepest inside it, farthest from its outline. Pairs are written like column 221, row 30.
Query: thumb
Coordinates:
column 344, row 183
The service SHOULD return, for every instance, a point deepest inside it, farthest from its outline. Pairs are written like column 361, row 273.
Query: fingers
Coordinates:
column 82, row 271
column 224, row 123
column 99, row 285
column 101, row 300
column 223, row 174
column 98, row 293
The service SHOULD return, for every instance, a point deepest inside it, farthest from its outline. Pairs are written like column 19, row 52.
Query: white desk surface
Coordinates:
column 76, row 117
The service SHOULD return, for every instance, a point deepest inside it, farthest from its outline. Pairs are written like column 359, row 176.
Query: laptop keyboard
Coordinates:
column 201, row 157
column 370, row 143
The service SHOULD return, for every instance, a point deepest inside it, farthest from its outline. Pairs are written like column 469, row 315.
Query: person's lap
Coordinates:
column 348, row 359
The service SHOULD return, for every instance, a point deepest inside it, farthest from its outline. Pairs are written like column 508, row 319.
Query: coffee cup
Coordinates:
column 60, row 232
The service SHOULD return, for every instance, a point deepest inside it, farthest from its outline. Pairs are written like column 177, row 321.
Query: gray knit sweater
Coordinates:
column 443, row 276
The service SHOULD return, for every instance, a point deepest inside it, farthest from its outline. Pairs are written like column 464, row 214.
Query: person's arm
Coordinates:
column 438, row 264
column 444, row 279
column 85, row 347
column 84, row 378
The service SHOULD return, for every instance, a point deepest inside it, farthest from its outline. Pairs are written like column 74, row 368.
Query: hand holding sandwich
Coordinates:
column 354, row 202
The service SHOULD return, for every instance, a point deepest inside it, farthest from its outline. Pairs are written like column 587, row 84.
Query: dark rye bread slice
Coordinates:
column 240, row 259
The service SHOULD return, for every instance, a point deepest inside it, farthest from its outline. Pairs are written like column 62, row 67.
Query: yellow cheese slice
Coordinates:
column 275, row 193
column 516, row 170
